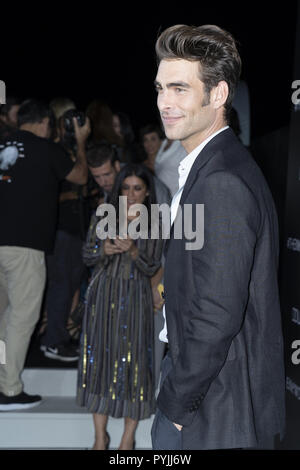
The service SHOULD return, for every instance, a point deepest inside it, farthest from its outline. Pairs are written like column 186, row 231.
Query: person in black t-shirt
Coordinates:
column 64, row 265
column 30, row 170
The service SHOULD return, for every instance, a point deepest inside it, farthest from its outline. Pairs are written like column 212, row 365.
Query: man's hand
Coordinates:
column 82, row 132
column 178, row 426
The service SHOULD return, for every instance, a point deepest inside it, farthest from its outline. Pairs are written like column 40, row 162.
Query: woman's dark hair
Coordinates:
column 139, row 170
column 149, row 129
column 101, row 118
column 126, row 127
column 213, row 47
column 131, row 150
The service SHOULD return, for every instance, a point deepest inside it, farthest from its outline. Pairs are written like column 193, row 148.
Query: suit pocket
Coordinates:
column 169, row 424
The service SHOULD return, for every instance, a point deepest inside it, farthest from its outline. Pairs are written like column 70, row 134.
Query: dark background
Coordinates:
column 108, row 53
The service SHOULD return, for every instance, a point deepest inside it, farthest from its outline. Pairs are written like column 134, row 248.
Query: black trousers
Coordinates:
column 165, row 436
column 64, row 272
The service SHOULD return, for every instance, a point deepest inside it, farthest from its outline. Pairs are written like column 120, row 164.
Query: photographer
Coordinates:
column 64, row 265
column 31, row 167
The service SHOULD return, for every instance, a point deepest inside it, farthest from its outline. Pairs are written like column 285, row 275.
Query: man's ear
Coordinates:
column 219, row 94
column 117, row 166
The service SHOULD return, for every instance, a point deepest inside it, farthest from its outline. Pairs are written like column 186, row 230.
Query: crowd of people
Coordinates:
column 55, row 170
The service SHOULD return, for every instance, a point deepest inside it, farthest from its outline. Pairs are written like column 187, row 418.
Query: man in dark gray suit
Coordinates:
column 223, row 383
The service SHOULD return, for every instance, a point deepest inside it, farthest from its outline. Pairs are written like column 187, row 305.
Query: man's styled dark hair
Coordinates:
column 33, row 111
column 98, row 154
column 214, row 48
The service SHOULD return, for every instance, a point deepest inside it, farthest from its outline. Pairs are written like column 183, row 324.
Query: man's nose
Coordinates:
column 102, row 181
column 164, row 100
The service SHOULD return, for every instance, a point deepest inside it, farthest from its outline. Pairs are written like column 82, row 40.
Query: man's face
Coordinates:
column 185, row 108
column 11, row 118
column 13, row 115
column 105, row 176
column 43, row 128
column 134, row 189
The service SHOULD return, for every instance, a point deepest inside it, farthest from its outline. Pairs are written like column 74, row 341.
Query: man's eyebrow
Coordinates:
column 173, row 84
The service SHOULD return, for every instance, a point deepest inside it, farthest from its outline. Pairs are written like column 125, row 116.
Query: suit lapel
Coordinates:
column 210, row 149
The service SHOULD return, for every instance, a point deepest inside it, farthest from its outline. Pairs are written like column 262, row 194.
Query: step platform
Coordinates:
column 58, row 422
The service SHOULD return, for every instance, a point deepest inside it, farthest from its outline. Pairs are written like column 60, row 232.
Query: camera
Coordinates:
column 69, row 139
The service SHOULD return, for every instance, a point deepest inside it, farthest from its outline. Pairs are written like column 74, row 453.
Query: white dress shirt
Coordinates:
column 184, row 168
column 166, row 163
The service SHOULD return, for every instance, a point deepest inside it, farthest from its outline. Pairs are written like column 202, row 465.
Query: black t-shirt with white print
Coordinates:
column 31, row 168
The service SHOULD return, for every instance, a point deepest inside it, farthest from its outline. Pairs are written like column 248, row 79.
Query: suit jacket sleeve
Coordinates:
column 217, row 299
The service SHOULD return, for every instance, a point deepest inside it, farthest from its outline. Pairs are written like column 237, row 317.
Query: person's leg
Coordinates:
column 127, row 440
column 77, row 269
column 4, row 302
column 265, row 443
column 59, row 291
column 77, row 265
column 3, row 296
column 101, row 436
column 25, row 274
column 165, row 436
